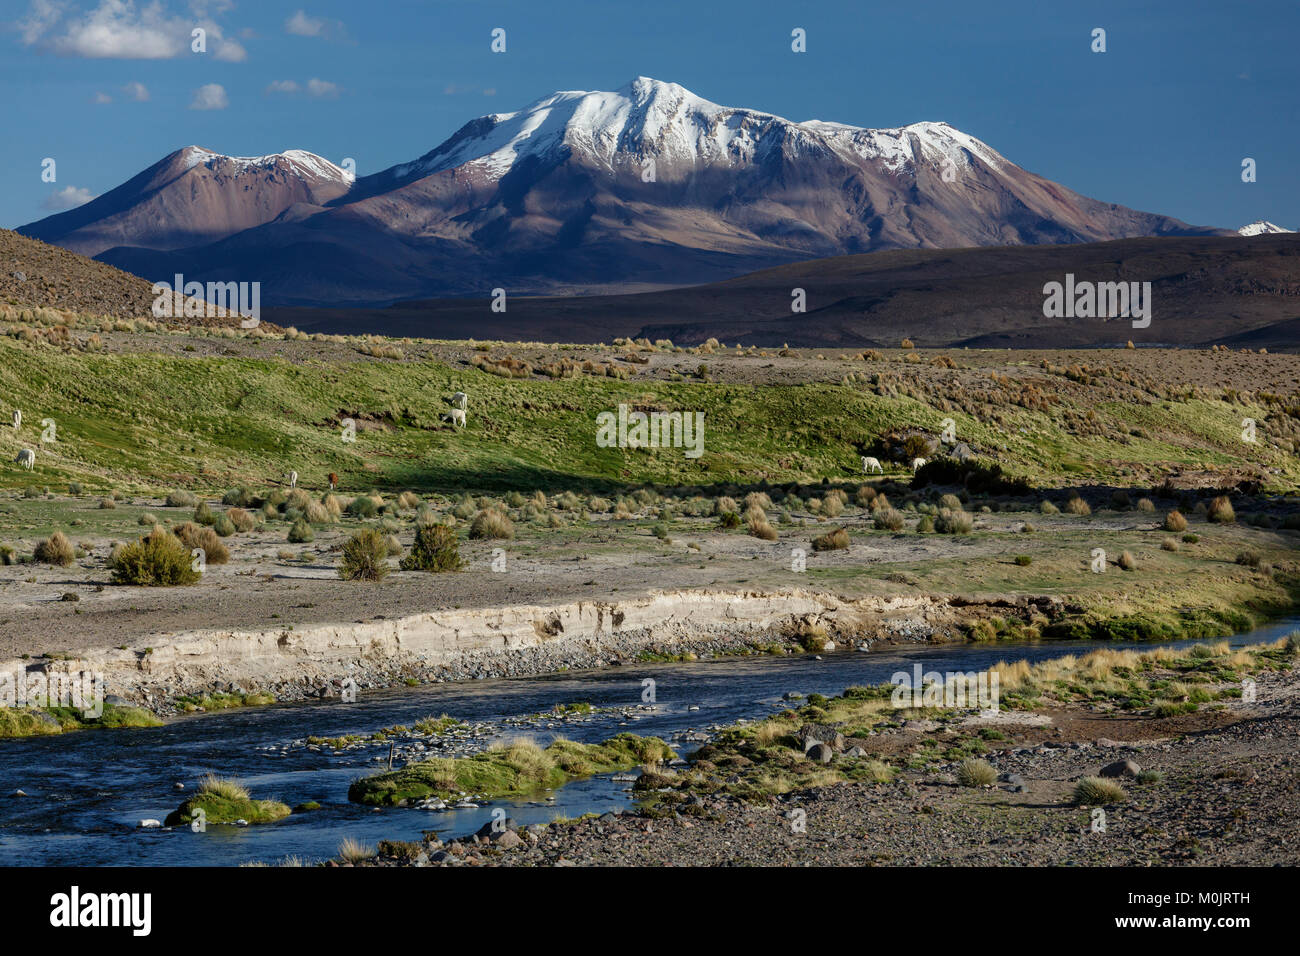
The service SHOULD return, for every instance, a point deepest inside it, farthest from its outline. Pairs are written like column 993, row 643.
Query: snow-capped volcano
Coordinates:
column 645, row 186
column 1261, row 227
column 682, row 132
column 194, row 196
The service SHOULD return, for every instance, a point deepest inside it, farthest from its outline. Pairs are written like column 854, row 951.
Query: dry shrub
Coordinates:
column 198, row 536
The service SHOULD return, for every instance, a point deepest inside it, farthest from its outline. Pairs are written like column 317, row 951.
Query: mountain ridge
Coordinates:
column 648, row 186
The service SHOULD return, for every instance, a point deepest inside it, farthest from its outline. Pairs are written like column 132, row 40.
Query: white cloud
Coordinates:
column 283, row 86
column 231, row 51
column 100, row 98
column 322, row 88
column 69, row 197
column 211, row 96
column 302, row 25
column 136, row 91
column 125, row 30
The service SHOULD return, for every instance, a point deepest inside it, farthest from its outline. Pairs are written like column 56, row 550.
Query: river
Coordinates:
column 86, row 792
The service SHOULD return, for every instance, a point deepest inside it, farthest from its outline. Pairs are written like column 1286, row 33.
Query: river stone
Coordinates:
column 508, row 840
column 810, row 734
column 820, row 753
column 1121, row 768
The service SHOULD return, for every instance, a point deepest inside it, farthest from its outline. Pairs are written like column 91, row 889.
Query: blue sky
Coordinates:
column 1161, row 121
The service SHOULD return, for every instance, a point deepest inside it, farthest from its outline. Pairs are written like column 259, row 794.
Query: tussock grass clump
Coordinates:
column 888, row 519
column 507, row 769
column 354, row 851
column 203, row 514
column 107, row 504
column 837, row 539
column 224, row 526
column 159, row 559
column 435, row 549
column 1098, row 791
column 181, row 499
column 365, row 556
column 317, row 513
column 1077, row 506
column 224, row 801
column 196, row 536
column 1146, row 505
column 1220, row 511
column 1127, row 561
column 728, row 520
column 238, row 498
column 1047, row 508
column 1174, row 521
column 954, row 522
column 725, row 504
column 241, row 519
column 363, row 506
column 56, row 550
column 975, row 772
column 492, row 524
column 760, row 528
column 300, row 532
column 408, row 501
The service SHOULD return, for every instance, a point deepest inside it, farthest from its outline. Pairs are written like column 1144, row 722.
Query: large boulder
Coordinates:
column 820, row 753
column 810, row 734
column 1121, row 768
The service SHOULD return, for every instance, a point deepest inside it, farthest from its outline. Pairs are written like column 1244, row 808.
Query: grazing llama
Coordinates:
column 871, row 465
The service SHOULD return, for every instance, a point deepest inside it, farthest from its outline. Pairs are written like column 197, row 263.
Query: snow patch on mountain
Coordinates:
column 303, row 162
column 1262, row 227
column 651, row 118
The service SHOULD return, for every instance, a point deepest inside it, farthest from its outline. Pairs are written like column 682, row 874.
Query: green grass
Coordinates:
column 16, row 722
column 223, row 801
column 155, row 422
column 509, row 770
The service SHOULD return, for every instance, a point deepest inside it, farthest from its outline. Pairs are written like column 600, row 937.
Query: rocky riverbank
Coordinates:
column 1215, row 787
column 293, row 664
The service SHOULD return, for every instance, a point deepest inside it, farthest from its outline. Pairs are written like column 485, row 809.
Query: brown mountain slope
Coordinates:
column 1243, row 291
column 34, row 274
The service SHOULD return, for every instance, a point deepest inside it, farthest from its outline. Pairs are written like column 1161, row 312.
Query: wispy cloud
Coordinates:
column 69, row 197
column 315, row 87
column 322, row 88
column 301, row 24
column 100, row 98
column 136, row 91
column 211, row 96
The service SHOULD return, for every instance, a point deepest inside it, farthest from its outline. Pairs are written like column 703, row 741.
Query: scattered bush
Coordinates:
column 300, row 532
column 974, row 772
column 159, row 559
column 837, row 539
column 1077, row 506
column 435, row 549
column 197, row 536
column 1098, row 791
column 224, row 526
column 363, row 506
column 1174, row 521
column 1024, row 560
column 365, row 557
column 56, row 550
column 887, row 519
column 1220, row 511
column 203, row 514
column 954, row 522
column 490, row 523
